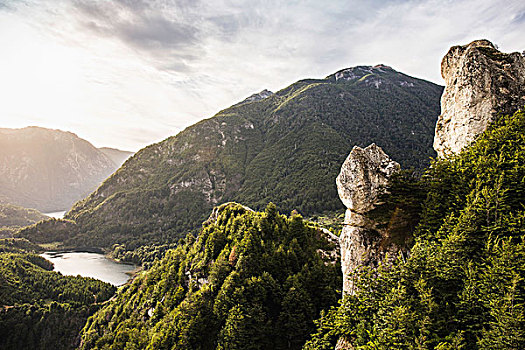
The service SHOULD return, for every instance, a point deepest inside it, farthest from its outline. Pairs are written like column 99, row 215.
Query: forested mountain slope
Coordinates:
column 249, row 280
column 285, row 147
column 13, row 217
column 463, row 286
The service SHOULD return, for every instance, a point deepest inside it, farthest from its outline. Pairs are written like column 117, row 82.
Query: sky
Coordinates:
column 127, row 73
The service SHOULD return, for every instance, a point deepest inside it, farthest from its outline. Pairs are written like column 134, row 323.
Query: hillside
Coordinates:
column 49, row 169
column 250, row 280
column 13, row 217
column 285, row 147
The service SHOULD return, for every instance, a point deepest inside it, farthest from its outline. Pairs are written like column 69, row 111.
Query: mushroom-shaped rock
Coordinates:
column 363, row 175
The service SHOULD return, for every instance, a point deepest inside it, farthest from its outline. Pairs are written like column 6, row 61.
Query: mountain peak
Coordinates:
column 257, row 96
column 376, row 76
column 359, row 72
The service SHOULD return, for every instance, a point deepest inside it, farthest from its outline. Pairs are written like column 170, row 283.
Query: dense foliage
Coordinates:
column 287, row 149
column 26, row 278
column 250, row 280
column 49, row 231
column 13, row 217
column 39, row 308
column 463, row 286
column 18, row 245
column 43, row 326
column 144, row 255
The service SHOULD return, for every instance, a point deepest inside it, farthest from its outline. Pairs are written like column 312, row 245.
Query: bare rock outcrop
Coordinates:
column 362, row 179
column 481, row 83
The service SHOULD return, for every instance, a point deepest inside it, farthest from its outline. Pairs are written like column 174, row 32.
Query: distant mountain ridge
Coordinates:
column 284, row 148
column 116, row 155
column 49, row 169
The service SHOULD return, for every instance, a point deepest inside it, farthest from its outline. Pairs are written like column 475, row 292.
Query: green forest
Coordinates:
column 254, row 280
column 250, row 280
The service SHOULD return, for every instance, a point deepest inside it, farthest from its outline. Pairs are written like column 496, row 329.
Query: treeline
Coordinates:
column 18, row 245
column 248, row 281
column 463, row 286
column 145, row 255
column 27, row 278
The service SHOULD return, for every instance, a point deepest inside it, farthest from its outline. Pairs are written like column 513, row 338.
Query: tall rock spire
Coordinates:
column 481, row 83
column 362, row 180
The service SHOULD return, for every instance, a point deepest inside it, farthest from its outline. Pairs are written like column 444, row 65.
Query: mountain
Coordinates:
column 49, row 169
column 117, row 156
column 286, row 148
column 13, row 217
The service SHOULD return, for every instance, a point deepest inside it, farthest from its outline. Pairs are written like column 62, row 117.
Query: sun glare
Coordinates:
column 40, row 78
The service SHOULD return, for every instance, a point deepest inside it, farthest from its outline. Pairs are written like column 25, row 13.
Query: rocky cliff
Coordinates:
column 481, row 84
column 362, row 179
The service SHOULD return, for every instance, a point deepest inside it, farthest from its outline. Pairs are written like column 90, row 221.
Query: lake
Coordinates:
column 90, row 265
column 56, row 214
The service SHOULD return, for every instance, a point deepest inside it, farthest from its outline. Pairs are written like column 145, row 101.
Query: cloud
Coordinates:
column 138, row 23
column 161, row 65
column 164, row 31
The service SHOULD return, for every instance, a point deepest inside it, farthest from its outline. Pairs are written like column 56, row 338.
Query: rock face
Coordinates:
column 481, row 83
column 362, row 179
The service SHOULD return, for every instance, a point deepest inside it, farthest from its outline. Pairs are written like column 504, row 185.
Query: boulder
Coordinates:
column 363, row 174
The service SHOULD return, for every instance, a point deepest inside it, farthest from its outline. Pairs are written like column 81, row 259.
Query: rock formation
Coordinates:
column 481, row 83
column 362, row 180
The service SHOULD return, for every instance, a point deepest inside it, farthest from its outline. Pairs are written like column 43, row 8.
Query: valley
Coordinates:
column 362, row 209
